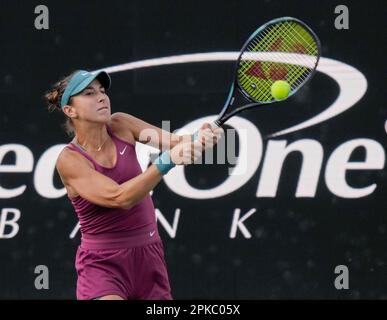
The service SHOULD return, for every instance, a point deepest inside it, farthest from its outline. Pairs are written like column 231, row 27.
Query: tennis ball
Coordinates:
column 280, row 89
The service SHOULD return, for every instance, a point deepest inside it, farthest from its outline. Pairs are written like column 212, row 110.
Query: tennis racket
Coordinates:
column 282, row 49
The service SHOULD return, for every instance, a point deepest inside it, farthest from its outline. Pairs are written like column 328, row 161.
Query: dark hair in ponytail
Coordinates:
column 53, row 97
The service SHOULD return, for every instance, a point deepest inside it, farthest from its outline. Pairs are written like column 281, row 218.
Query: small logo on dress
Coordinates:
column 152, row 233
column 123, row 151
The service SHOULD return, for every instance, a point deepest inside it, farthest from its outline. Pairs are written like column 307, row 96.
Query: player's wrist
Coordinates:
column 164, row 162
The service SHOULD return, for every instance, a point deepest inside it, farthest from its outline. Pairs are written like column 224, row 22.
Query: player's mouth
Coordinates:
column 102, row 108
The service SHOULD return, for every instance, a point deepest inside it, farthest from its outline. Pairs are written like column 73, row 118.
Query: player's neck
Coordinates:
column 91, row 137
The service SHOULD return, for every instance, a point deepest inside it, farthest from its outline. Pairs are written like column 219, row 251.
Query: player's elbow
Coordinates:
column 120, row 199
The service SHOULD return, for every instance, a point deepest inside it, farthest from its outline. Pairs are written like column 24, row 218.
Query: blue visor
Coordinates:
column 80, row 80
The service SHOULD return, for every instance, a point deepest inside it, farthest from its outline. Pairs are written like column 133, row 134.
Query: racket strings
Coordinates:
column 248, row 83
column 262, row 39
column 294, row 72
column 264, row 43
column 311, row 53
column 252, row 46
column 293, row 53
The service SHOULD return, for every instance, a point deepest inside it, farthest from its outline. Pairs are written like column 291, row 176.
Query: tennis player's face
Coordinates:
column 92, row 104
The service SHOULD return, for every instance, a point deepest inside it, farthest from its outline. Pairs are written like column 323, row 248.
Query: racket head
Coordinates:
column 282, row 49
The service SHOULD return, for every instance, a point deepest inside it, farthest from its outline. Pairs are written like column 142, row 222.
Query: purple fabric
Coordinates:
column 131, row 273
column 95, row 219
column 121, row 251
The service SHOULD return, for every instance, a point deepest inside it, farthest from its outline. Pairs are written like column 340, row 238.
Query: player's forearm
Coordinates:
column 131, row 192
column 162, row 139
column 168, row 140
column 134, row 190
column 176, row 139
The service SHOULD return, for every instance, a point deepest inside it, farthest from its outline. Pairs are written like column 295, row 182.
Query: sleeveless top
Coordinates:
column 95, row 219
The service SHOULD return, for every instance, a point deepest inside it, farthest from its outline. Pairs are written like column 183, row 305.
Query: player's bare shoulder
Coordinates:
column 69, row 162
column 120, row 125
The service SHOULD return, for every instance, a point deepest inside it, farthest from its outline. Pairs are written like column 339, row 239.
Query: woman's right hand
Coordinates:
column 186, row 152
column 208, row 136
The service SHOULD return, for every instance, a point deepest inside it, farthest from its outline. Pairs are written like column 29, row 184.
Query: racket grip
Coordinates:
column 216, row 124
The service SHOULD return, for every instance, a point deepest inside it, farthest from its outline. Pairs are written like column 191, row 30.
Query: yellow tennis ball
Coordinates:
column 280, row 89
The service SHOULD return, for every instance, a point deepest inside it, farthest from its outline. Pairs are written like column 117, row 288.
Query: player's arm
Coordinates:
column 100, row 189
column 146, row 133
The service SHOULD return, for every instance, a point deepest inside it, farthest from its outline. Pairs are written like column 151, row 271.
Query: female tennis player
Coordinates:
column 121, row 255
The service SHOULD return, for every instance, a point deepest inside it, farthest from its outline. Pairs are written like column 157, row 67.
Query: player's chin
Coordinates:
column 104, row 113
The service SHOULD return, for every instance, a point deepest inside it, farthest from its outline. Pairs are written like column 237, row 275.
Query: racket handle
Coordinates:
column 216, row 124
